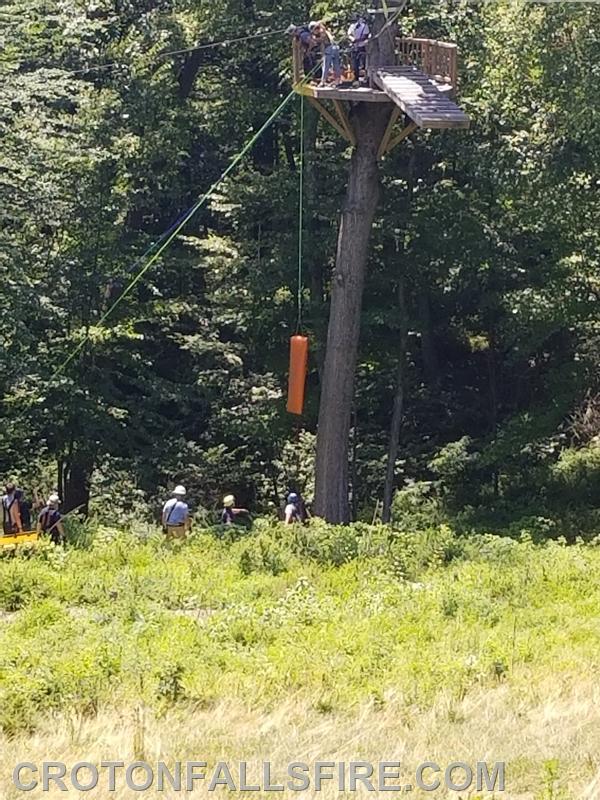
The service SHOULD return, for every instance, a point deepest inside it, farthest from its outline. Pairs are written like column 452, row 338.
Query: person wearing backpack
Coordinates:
column 50, row 520
column 11, row 518
column 176, row 515
column 307, row 44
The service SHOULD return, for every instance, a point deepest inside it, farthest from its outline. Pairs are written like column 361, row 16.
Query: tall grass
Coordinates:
column 292, row 641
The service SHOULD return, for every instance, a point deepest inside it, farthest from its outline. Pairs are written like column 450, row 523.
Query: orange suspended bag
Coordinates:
column 297, row 379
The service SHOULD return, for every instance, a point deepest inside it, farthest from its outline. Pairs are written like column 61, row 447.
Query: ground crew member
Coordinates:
column 176, row 515
column 292, row 510
column 24, row 509
column 50, row 520
column 11, row 517
column 295, row 510
column 229, row 513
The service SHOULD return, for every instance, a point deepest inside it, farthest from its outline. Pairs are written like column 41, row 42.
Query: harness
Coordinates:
column 45, row 518
column 361, row 36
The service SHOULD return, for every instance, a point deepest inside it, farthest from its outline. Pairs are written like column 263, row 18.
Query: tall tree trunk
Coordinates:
column 337, row 392
column 189, row 71
column 77, row 473
column 398, row 410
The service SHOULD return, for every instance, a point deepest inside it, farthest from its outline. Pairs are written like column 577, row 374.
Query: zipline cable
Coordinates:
column 208, row 46
column 175, row 231
column 168, row 53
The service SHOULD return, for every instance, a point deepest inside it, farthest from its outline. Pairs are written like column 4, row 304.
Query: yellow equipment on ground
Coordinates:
column 19, row 538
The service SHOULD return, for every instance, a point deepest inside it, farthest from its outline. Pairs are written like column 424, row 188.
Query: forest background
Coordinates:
column 483, row 284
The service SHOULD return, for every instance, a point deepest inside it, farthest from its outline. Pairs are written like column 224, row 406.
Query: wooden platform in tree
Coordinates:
column 420, row 99
column 418, row 88
column 362, row 94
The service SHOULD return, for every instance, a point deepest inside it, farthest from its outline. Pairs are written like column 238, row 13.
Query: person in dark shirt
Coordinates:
column 50, row 520
column 308, row 47
column 230, row 513
column 24, row 509
column 11, row 518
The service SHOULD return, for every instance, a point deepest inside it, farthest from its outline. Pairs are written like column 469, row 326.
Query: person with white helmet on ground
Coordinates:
column 176, row 515
column 50, row 520
column 230, row 512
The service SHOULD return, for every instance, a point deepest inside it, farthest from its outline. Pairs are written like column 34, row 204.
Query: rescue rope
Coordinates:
column 166, row 239
column 300, row 215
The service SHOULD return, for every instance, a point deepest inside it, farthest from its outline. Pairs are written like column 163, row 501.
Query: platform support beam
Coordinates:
column 404, row 133
column 345, row 120
column 388, row 131
column 327, row 115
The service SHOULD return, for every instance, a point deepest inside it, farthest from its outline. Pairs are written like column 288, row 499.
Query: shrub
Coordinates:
column 416, row 507
column 576, row 476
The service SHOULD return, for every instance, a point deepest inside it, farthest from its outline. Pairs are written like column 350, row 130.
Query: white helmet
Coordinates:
column 54, row 498
column 179, row 490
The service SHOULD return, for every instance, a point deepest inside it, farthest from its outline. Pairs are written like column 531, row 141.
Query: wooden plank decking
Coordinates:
column 362, row 94
column 420, row 99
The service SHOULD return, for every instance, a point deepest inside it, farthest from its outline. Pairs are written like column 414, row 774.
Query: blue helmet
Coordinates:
column 292, row 497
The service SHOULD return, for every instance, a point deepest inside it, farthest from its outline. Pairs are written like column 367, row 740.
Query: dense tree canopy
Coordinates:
column 483, row 280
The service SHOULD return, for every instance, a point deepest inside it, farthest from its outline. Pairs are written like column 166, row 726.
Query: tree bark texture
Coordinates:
column 369, row 121
column 337, row 392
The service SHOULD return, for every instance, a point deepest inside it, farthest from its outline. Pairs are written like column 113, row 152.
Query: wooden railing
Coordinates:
column 436, row 59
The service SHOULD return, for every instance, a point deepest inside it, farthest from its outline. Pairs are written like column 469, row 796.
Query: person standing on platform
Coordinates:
column 308, row 46
column 331, row 53
column 358, row 33
column 24, row 509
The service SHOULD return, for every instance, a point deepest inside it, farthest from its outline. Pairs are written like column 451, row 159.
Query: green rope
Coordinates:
column 300, row 215
column 137, row 278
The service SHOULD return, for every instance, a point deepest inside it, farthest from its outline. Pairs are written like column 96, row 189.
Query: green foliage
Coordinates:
column 287, row 609
column 416, row 506
column 186, row 380
column 576, row 475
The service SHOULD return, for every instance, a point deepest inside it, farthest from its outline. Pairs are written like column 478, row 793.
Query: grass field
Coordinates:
column 303, row 645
